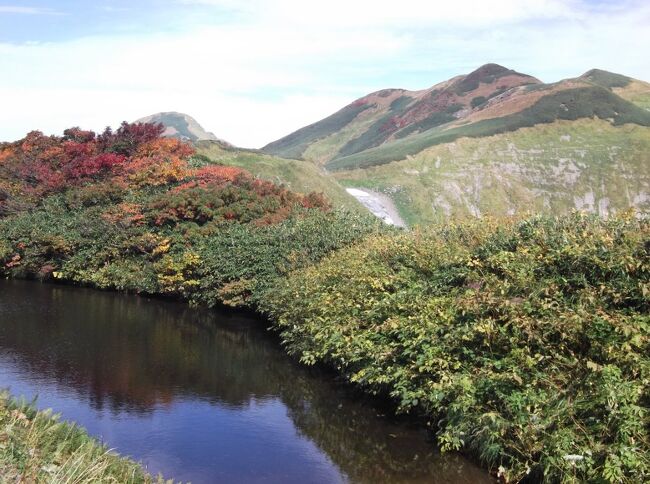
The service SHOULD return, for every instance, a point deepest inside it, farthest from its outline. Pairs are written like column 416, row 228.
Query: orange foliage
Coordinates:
column 165, row 146
column 219, row 173
column 214, row 175
column 155, row 170
column 6, row 152
column 124, row 214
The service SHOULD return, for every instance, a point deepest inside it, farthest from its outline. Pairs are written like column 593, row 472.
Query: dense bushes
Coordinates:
column 526, row 343
column 157, row 221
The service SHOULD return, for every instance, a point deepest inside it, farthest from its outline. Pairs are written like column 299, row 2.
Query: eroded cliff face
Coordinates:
column 587, row 165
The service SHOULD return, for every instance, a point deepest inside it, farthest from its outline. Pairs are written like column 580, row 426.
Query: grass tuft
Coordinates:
column 35, row 446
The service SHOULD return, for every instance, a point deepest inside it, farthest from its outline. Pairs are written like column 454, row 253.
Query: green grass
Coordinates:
column 431, row 121
column 294, row 144
column 606, row 79
column 637, row 92
column 297, row 175
column 570, row 104
column 35, row 446
column 379, row 131
column 327, row 148
column 538, row 169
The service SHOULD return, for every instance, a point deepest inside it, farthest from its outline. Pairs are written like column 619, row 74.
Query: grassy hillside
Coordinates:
column 297, row 175
column 496, row 142
column 571, row 104
column 293, row 145
column 586, row 164
column 633, row 90
column 379, row 117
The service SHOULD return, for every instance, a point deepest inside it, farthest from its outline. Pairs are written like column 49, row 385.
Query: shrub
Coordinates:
column 478, row 101
column 525, row 343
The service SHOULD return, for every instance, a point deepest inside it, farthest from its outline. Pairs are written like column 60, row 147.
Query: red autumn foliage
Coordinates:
column 225, row 193
column 103, row 169
column 40, row 165
column 214, row 175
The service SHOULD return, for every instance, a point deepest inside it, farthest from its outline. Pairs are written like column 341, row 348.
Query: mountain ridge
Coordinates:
column 492, row 142
column 368, row 130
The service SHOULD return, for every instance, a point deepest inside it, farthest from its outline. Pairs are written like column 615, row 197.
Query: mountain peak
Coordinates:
column 490, row 69
column 605, row 78
column 182, row 126
column 489, row 73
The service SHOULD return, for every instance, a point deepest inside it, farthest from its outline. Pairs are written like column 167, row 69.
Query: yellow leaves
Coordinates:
column 593, row 366
column 176, row 274
column 156, row 170
column 162, row 247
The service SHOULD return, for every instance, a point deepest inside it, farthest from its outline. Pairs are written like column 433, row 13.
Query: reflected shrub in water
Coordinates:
column 526, row 343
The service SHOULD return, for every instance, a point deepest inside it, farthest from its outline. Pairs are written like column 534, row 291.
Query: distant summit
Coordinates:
column 182, row 126
column 393, row 124
column 389, row 115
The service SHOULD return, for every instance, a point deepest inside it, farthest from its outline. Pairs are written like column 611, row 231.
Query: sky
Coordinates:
column 253, row 71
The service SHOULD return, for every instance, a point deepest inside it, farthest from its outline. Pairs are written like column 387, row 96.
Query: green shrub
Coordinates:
column 477, row 101
column 524, row 343
column 241, row 263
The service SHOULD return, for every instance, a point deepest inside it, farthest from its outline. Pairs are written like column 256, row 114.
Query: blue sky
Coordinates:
column 252, row 71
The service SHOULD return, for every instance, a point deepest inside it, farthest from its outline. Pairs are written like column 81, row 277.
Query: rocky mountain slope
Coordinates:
column 181, row 126
column 492, row 142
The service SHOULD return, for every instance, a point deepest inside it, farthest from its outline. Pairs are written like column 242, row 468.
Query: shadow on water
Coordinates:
column 201, row 395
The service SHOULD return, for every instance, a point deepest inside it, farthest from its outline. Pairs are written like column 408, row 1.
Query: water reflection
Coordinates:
column 199, row 395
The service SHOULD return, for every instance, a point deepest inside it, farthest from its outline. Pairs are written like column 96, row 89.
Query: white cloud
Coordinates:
column 406, row 13
column 281, row 65
column 18, row 9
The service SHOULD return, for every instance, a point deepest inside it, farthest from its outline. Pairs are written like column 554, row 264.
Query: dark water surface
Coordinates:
column 201, row 396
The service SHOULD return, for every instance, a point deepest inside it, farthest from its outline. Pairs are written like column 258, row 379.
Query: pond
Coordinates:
column 200, row 395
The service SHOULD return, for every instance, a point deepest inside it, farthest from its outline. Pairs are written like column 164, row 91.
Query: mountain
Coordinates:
column 494, row 142
column 182, row 126
column 391, row 114
column 633, row 90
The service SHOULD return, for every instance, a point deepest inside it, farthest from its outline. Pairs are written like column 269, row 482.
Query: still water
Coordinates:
column 200, row 395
